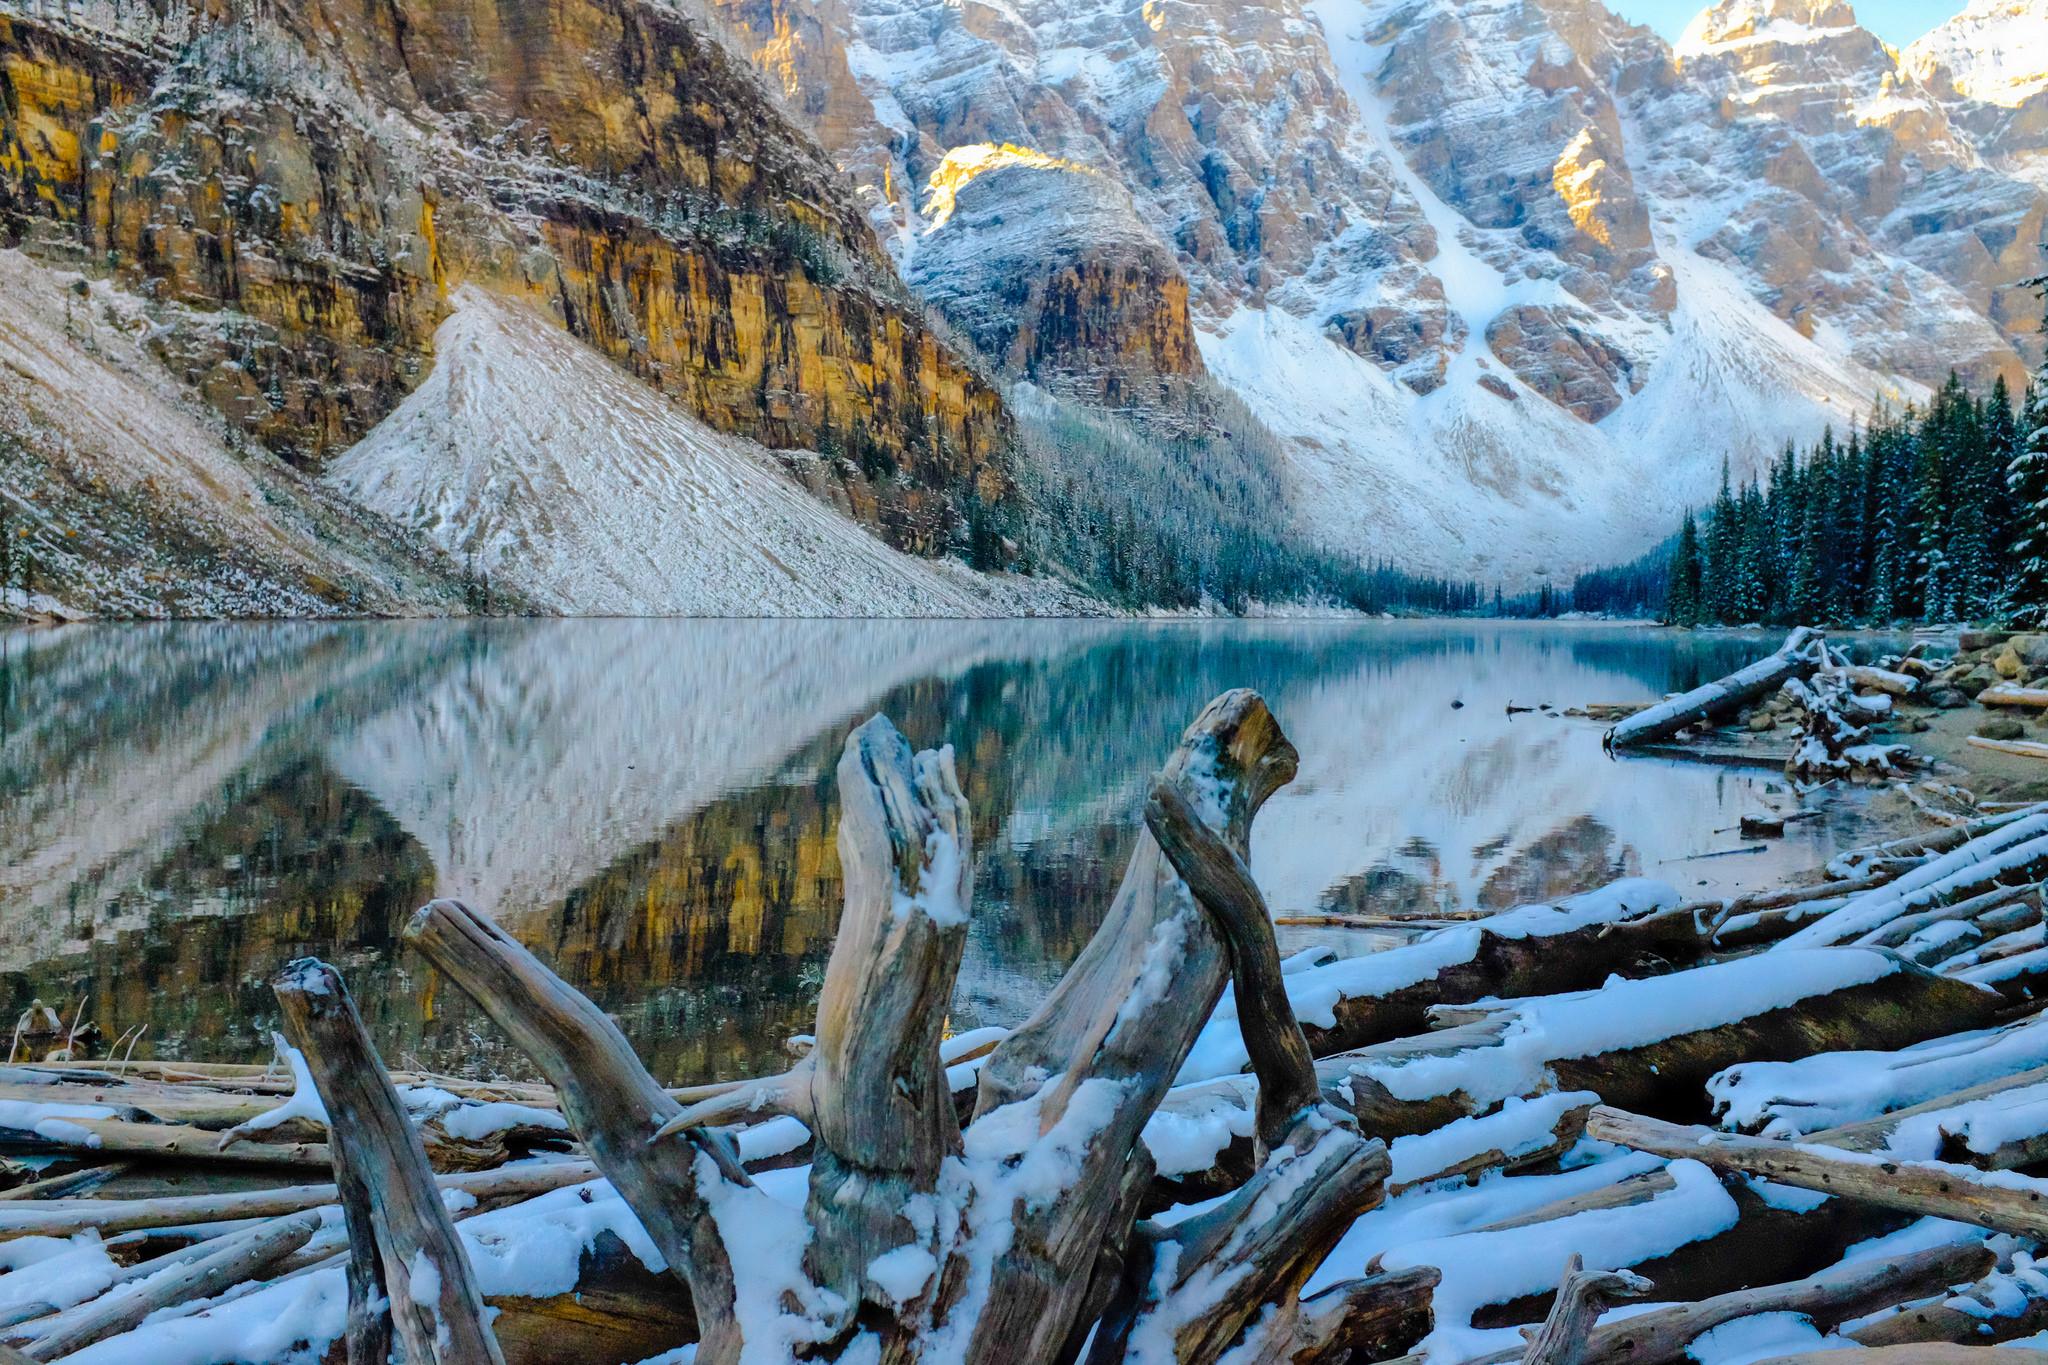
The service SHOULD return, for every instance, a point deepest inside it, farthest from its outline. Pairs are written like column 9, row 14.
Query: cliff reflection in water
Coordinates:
column 650, row 804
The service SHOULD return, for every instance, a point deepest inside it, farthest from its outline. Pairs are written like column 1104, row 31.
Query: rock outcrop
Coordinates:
column 295, row 196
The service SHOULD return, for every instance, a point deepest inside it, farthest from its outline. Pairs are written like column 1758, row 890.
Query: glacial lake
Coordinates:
column 650, row 804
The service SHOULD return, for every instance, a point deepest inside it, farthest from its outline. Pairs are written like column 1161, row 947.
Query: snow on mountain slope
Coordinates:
column 1513, row 276
column 1995, row 51
column 586, row 489
column 133, row 497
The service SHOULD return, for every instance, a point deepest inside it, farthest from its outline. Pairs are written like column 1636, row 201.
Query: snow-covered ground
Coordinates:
column 586, row 489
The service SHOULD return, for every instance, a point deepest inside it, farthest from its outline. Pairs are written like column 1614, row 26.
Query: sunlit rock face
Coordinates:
column 1047, row 268
column 297, row 196
column 1451, row 214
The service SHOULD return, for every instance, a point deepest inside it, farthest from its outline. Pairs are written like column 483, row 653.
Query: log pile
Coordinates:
column 1806, row 683
column 1827, row 1101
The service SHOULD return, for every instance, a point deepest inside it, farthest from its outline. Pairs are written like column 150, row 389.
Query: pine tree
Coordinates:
column 1719, row 556
column 2026, row 482
column 1684, row 605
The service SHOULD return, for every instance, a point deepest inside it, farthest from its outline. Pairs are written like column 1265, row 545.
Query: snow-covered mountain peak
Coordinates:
column 1995, row 51
column 1734, row 23
column 1486, row 266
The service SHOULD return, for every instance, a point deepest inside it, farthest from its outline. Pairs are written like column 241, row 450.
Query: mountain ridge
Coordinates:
column 1503, row 284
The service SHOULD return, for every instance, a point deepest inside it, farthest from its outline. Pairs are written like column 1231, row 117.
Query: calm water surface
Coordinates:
column 650, row 804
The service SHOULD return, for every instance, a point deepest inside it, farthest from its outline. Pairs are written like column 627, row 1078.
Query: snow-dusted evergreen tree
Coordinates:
column 1685, row 605
column 2026, row 479
column 1720, row 553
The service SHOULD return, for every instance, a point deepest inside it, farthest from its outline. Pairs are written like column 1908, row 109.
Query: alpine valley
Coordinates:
column 894, row 307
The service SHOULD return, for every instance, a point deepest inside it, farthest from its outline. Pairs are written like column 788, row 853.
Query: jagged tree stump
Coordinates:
column 1011, row 1240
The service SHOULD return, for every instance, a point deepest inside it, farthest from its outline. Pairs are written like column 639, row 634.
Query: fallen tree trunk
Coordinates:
column 1881, row 680
column 1533, row 950
column 175, row 1142
column 2019, row 748
column 2009, row 855
column 1682, row 1029
column 2014, row 1110
column 1835, row 1296
column 235, row 1260
column 1857, row 862
column 2012, row 694
column 1848, row 1090
column 68, row 1217
column 2004, row 1204
column 1801, row 654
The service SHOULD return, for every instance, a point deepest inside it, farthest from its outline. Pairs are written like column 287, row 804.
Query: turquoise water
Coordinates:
column 184, row 808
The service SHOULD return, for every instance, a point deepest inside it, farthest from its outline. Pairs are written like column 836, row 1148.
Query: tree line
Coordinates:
column 1935, row 513
column 1183, row 513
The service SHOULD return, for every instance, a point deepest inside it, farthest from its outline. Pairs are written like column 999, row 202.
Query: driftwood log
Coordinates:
column 983, row 1262
column 1803, row 652
column 1833, row 1297
column 1582, row 1297
column 224, row 1265
column 1933, row 1188
column 408, row 1275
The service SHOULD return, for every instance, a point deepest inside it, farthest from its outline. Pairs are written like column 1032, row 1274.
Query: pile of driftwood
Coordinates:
column 1834, row 703
column 1808, row 1116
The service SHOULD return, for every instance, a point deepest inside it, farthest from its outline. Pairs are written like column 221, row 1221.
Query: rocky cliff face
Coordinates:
column 294, row 199
column 1508, row 278
column 1493, row 266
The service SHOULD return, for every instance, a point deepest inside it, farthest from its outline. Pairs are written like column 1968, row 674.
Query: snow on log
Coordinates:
column 1091, row 1066
column 224, row 1264
column 1999, row 1200
column 1652, row 1044
column 2007, row 1303
column 1836, row 741
column 1840, row 1294
column 1858, row 862
column 68, row 1217
column 1881, row 680
column 1802, row 653
column 2009, row 854
column 1831, row 1090
column 1534, row 950
column 2012, row 694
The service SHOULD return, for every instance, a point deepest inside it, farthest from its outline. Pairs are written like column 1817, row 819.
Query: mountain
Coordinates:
column 1512, row 276
column 758, row 307
column 280, row 210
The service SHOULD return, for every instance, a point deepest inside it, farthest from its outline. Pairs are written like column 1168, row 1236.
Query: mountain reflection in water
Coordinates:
column 650, row 804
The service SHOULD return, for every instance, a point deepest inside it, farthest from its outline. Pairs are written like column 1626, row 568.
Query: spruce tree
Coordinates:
column 2026, row 482
column 1684, row 605
column 1720, row 553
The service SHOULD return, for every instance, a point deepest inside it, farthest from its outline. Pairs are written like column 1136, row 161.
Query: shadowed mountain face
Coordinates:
column 651, row 805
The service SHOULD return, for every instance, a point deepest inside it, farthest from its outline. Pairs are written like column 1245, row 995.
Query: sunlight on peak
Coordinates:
column 964, row 163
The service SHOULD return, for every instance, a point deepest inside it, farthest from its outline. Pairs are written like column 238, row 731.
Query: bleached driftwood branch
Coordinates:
column 1804, row 651
column 406, row 1264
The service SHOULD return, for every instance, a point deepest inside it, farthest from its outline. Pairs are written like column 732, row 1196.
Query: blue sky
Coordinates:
column 1898, row 22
